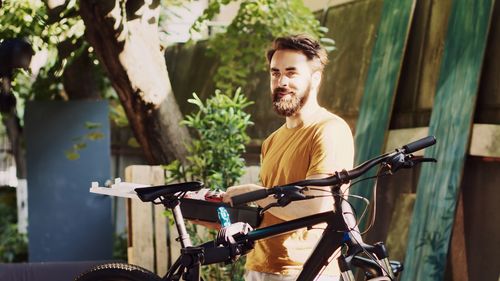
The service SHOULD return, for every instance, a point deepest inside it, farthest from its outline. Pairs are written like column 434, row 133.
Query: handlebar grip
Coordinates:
column 419, row 144
column 249, row 197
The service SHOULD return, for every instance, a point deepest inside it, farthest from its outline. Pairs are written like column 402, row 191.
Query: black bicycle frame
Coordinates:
column 332, row 237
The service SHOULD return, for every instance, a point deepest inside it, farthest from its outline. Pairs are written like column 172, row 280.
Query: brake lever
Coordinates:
column 410, row 163
column 423, row 159
column 286, row 197
column 263, row 210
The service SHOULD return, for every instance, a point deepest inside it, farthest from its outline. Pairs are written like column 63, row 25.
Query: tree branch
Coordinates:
column 128, row 47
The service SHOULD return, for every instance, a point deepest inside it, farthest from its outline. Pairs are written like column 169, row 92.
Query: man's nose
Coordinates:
column 283, row 81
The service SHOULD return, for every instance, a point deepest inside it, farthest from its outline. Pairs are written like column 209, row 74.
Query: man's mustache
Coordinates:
column 280, row 90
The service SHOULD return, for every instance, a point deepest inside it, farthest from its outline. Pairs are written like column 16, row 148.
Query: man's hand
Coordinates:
column 209, row 225
column 237, row 190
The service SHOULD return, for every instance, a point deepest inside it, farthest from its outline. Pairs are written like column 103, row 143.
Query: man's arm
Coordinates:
column 294, row 210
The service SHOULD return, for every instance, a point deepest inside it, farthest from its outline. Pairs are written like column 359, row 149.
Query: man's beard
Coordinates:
column 288, row 107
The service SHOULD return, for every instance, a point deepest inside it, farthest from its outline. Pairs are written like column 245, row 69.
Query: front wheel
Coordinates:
column 118, row 272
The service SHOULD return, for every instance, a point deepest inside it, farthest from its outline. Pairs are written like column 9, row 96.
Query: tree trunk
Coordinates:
column 12, row 126
column 79, row 70
column 125, row 37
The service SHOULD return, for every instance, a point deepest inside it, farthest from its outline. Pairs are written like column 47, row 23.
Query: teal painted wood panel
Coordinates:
column 380, row 87
column 451, row 122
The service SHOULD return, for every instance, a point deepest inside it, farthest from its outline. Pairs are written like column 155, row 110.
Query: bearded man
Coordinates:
column 313, row 143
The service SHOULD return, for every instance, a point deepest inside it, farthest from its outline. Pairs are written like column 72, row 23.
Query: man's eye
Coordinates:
column 275, row 74
column 292, row 74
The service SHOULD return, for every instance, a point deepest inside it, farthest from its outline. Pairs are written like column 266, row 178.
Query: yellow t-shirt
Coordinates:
column 290, row 155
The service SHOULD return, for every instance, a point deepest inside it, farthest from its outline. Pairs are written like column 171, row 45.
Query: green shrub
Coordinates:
column 120, row 246
column 13, row 245
column 219, row 126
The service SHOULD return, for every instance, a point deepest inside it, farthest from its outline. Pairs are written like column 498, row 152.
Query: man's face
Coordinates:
column 291, row 74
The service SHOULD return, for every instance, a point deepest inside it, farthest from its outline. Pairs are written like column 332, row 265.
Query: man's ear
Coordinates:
column 316, row 79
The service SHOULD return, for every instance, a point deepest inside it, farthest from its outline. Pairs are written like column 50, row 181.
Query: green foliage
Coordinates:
column 120, row 246
column 117, row 114
column 59, row 38
column 242, row 46
column 30, row 19
column 13, row 245
column 219, row 127
column 94, row 134
column 220, row 137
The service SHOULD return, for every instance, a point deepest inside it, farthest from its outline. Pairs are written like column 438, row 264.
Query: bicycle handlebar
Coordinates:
column 250, row 196
column 419, row 144
column 339, row 177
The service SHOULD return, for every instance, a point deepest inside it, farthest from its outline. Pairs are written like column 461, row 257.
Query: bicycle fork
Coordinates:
column 377, row 266
column 345, row 270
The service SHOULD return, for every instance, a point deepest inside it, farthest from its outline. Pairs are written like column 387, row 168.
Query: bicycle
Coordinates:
column 238, row 239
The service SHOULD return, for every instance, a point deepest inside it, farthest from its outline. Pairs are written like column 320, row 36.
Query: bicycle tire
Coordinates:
column 118, row 272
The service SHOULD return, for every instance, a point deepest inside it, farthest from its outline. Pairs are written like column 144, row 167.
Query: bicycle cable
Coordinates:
column 368, row 254
column 354, row 213
column 376, row 260
column 365, row 200
column 374, row 208
column 380, row 173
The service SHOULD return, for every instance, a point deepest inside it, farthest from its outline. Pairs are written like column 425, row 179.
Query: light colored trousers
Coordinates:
column 260, row 276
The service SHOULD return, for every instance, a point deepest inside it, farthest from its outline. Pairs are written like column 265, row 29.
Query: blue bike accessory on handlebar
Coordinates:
column 223, row 215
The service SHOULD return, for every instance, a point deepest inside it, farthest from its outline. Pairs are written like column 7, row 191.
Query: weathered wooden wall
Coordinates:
column 414, row 103
column 375, row 110
column 451, row 122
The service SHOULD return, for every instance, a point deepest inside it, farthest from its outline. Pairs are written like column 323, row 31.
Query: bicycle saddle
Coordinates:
column 149, row 194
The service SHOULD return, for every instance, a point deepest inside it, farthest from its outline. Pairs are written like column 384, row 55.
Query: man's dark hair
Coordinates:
column 307, row 45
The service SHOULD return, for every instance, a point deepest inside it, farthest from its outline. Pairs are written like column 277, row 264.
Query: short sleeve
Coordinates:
column 332, row 148
column 263, row 149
